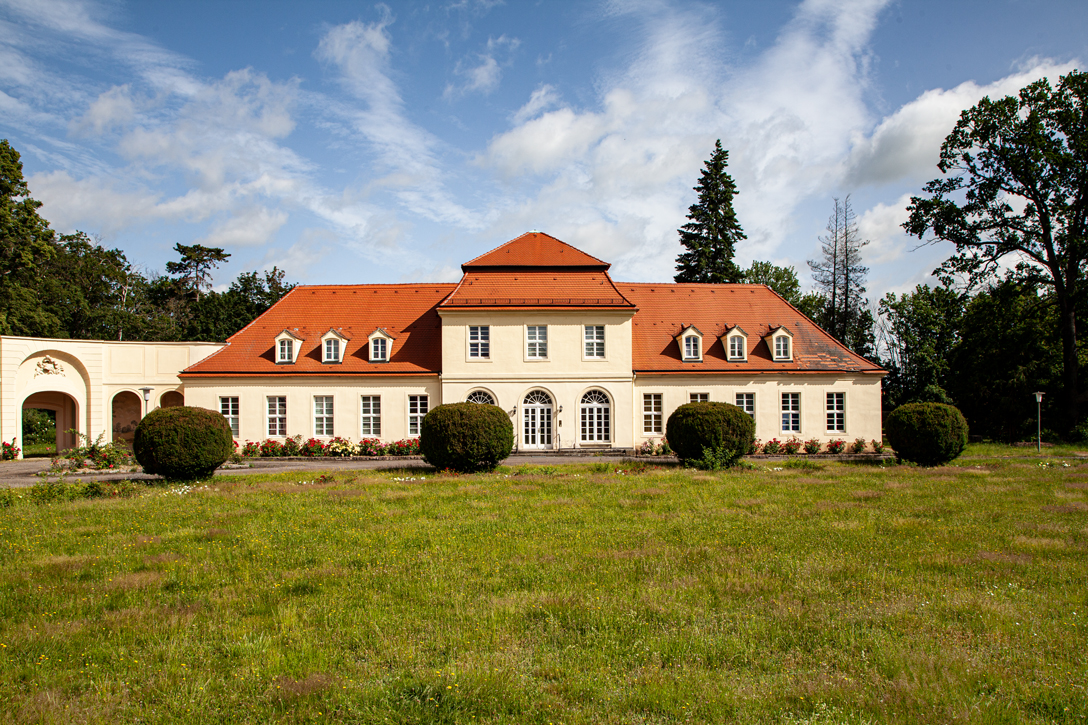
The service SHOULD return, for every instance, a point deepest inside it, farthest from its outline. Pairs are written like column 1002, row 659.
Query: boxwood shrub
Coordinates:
column 928, row 434
column 466, row 437
column 717, row 432
column 182, row 443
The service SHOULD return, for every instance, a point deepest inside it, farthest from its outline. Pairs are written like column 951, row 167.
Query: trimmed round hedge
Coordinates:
column 928, row 434
column 181, row 443
column 720, row 428
column 466, row 437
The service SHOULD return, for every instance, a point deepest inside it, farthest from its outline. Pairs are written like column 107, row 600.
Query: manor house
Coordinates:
column 535, row 326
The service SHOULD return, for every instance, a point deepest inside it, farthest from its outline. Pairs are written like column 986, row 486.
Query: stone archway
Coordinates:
column 171, row 399
column 128, row 409
column 66, row 412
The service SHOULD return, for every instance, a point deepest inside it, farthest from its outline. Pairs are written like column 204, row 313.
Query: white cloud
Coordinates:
column 882, row 226
column 112, row 109
column 544, row 97
column 246, row 228
column 907, row 144
column 483, row 73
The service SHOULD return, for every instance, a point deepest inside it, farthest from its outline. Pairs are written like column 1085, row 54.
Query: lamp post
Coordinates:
column 147, row 397
column 1039, row 421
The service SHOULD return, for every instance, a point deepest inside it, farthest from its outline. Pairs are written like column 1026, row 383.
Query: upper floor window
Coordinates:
column 287, row 351
column 536, row 341
column 782, row 347
column 594, row 340
column 479, row 341
column 736, row 347
column 379, row 350
column 698, row 397
column 691, row 348
column 332, row 350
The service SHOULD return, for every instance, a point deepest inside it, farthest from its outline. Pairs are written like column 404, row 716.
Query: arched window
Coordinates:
column 480, row 396
column 595, row 417
column 536, row 412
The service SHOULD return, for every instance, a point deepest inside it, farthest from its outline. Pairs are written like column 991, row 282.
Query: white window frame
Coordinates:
column 836, row 412
column 746, row 402
column 276, row 420
column 332, row 350
column 698, row 397
column 653, row 419
column 593, row 347
column 780, row 342
column 229, row 408
column 595, row 418
column 741, row 353
column 536, row 347
column 370, row 416
column 418, row 405
column 379, row 349
column 693, row 344
column 324, row 414
column 287, row 345
column 479, row 342
column 790, row 407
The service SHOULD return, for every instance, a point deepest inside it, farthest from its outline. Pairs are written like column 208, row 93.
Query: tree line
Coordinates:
column 70, row 286
column 1001, row 322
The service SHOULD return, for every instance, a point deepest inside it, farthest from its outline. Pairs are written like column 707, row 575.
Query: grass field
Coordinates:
column 570, row 594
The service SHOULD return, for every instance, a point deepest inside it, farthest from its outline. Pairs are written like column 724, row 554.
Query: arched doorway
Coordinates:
column 595, row 417
column 536, row 412
column 171, row 398
column 127, row 412
column 64, row 412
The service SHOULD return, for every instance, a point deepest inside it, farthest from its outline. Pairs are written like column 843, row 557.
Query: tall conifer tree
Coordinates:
column 713, row 231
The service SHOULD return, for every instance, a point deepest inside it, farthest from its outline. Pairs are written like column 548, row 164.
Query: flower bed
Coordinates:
column 336, row 448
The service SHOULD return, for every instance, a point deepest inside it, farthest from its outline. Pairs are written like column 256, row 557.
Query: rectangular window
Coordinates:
column 229, row 408
column 691, row 347
column 747, row 403
column 736, row 347
column 277, row 415
column 651, row 413
column 782, row 348
column 377, row 349
column 323, row 415
column 791, row 412
column 836, row 412
column 286, row 351
column 417, row 408
column 594, row 339
column 371, row 423
column 699, row 397
column 536, row 340
column 479, row 341
column 332, row 350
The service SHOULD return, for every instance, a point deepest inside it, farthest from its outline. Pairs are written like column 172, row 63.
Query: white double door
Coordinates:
column 537, row 430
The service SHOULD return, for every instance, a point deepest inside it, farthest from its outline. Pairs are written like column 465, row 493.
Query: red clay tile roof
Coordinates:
column 664, row 309
column 535, row 249
column 406, row 311
column 536, row 289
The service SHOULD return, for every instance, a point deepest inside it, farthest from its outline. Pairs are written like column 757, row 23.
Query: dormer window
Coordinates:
column 780, row 340
column 691, row 344
column 287, row 347
column 735, row 342
column 333, row 346
column 380, row 344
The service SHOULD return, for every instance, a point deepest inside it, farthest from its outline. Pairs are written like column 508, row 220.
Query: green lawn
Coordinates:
column 569, row 594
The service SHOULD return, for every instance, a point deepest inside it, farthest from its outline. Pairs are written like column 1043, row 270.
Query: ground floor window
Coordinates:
column 323, row 415
column 417, row 408
column 370, row 423
column 836, row 412
column 747, row 403
column 277, row 415
column 596, row 417
column 229, row 408
column 651, row 413
column 698, row 397
column 791, row 412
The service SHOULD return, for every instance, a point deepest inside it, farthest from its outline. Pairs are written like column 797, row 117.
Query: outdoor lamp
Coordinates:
column 147, row 397
column 1039, row 421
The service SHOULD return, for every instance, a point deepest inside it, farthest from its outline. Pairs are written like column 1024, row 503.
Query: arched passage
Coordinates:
column 65, row 411
column 171, row 398
column 127, row 411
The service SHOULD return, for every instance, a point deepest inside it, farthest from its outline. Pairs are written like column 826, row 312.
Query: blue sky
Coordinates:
column 350, row 142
